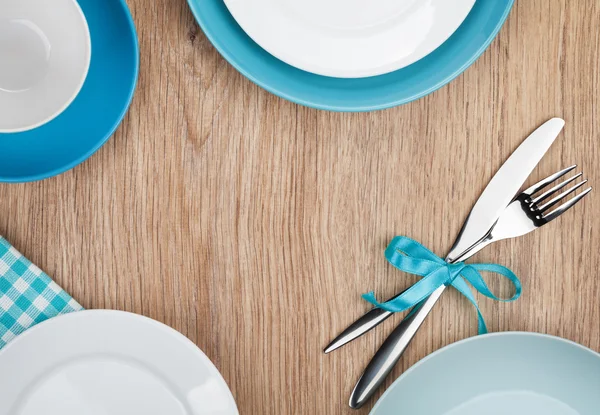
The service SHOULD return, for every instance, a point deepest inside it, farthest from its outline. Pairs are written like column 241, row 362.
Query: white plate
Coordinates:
column 508, row 373
column 45, row 54
column 102, row 362
column 349, row 38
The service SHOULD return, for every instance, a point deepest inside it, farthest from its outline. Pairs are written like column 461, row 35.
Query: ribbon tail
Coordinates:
column 460, row 284
column 413, row 310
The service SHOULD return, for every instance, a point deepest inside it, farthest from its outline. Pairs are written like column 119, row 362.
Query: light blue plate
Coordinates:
column 363, row 94
column 94, row 115
column 499, row 374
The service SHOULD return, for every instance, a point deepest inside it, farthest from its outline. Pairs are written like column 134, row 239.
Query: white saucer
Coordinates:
column 109, row 362
column 349, row 38
column 45, row 54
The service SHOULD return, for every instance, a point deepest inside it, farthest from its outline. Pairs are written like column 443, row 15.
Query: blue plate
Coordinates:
column 363, row 94
column 97, row 111
column 512, row 373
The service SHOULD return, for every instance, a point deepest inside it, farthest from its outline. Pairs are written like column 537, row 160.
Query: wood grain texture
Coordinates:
column 252, row 225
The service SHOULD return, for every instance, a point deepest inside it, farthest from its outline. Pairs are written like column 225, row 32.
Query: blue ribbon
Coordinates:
column 410, row 256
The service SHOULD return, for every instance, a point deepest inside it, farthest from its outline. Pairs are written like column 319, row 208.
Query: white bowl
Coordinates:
column 45, row 53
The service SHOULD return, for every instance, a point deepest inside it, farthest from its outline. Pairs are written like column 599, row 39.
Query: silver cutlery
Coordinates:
column 498, row 194
column 528, row 212
column 477, row 232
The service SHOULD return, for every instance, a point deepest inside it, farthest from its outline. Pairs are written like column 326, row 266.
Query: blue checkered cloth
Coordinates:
column 27, row 295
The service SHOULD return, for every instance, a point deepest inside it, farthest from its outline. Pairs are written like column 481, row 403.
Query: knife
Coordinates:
column 498, row 194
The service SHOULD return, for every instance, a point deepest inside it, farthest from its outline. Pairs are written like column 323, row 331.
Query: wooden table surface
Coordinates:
column 252, row 225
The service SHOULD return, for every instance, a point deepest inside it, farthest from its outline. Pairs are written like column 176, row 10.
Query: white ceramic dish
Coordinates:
column 499, row 374
column 109, row 362
column 45, row 54
column 349, row 38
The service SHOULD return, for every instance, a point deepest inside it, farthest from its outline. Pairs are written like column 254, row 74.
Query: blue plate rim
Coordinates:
column 222, row 49
column 109, row 133
column 475, row 339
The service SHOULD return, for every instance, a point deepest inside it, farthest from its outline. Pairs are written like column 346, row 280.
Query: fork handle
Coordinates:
column 390, row 352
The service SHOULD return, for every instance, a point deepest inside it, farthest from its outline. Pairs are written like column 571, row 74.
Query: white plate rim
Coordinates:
column 281, row 54
column 176, row 335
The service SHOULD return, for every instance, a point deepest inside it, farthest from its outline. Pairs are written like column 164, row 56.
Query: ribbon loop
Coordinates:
column 410, row 256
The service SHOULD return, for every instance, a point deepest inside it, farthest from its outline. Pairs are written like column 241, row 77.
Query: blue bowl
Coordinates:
column 499, row 373
column 97, row 111
column 362, row 94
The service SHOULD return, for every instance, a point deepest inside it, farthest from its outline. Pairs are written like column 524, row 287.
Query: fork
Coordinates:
column 377, row 315
column 528, row 211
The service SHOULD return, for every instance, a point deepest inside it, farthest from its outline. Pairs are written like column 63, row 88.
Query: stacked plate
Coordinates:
column 351, row 55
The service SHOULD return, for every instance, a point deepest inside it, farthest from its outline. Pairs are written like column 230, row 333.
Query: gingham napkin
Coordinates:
column 27, row 295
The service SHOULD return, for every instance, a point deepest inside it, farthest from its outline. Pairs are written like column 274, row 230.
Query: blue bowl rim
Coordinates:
column 101, row 142
column 346, row 108
column 475, row 339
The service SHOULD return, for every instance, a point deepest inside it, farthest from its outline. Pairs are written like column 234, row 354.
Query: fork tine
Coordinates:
column 555, row 188
column 561, row 196
column 545, row 182
column 563, row 208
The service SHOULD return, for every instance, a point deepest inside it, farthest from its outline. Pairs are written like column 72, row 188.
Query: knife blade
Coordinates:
column 505, row 184
column 497, row 195
column 483, row 212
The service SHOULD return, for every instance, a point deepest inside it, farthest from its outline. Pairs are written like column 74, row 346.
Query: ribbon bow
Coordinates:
column 410, row 256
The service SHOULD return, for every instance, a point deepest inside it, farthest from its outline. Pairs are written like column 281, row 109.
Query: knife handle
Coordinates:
column 390, row 352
